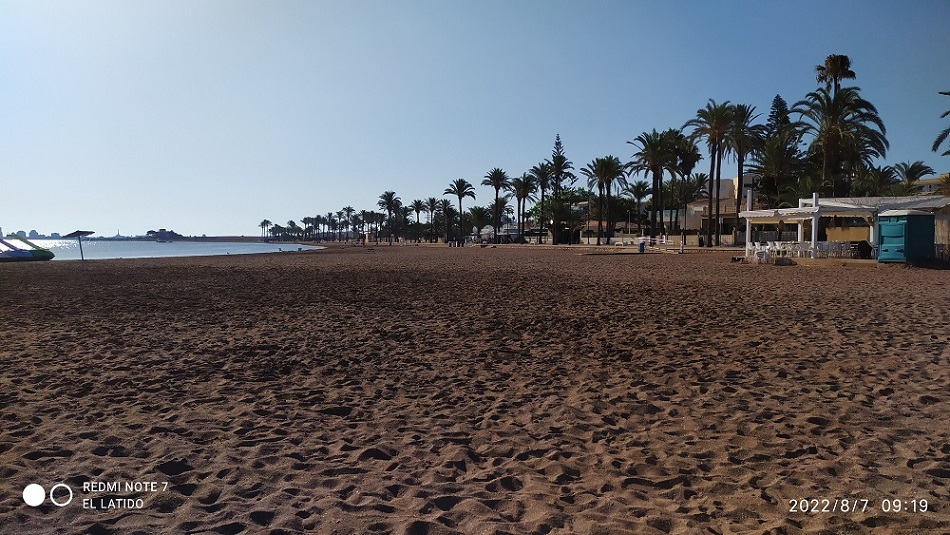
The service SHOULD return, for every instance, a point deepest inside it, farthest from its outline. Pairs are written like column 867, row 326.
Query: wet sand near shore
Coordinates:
column 510, row 390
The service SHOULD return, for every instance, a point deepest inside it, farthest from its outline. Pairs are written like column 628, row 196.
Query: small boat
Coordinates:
column 13, row 253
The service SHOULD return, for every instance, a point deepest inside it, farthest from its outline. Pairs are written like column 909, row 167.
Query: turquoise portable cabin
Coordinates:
column 905, row 236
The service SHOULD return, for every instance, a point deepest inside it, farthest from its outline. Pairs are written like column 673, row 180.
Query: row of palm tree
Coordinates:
column 831, row 149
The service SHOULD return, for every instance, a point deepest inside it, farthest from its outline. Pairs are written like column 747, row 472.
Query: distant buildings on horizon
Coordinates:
column 161, row 234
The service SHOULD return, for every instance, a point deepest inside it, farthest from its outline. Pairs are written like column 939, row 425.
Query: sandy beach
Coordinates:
column 423, row 390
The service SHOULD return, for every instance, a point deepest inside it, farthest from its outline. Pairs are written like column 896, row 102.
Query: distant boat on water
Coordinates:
column 15, row 253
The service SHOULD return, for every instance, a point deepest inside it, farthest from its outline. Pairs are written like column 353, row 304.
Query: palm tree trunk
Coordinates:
column 718, row 188
column 739, row 190
column 709, row 194
column 653, row 205
column 676, row 204
column 600, row 216
column 497, row 215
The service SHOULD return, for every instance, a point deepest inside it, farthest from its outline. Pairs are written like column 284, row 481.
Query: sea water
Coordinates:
column 103, row 249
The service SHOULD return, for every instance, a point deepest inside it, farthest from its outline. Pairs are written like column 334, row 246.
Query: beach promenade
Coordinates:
column 509, row 390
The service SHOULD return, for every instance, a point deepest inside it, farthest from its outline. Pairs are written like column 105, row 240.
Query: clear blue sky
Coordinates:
column 208, row 116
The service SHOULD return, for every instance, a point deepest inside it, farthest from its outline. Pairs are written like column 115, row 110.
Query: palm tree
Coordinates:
column 346, row 215
column 741, row 139
column 330, row 222
column 418, row 206
column 713, row 123
column 541, row 174
column 356, row 222
column 944, row 133
column 480, row 216
column 909, row 173
column 846, row 132
column 837, row 67
column 391, row 203
column 778, row 163
column 638, row 191
column 432, row 204
column 497, row 179
column 342, row 224
column 264, row 225
column 308, row 225
column 876, row 182
column 293, row 229
column 447, row 211
column 460, row 188
column 943, row 188
column 655, row 155
column 523, row 187
column 686, row 155
column 694, row 188
column 602, row 173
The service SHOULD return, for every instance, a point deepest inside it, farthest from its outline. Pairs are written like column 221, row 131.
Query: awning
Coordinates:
column 782, row 214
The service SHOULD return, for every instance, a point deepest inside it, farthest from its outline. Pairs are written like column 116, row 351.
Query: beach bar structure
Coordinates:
column 810, row 212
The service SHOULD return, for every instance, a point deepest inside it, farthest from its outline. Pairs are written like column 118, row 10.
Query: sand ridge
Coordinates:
column 477, row 390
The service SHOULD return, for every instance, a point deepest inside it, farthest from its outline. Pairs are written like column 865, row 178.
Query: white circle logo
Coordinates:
column 34, row 495
column 61, row 504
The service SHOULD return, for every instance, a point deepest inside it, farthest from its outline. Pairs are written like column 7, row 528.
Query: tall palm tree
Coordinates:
column 602, row 173
column 837, row 67
column 446, row 210
column 356, row 223
column 264, row 226
column 342, row 224
column 944, row 133
column 330, row 222
column 638, row 191
column 741, row 139
column 461, row 188
column 687, row 156
column 713, row 123
column 846, row 132
column 418, row 206
column 541, row 174
column 347, row 217
column 391, row 203
column 432, row 204
column 308, row 225
column 523, row 187
column 655, row 155
column 498, row 180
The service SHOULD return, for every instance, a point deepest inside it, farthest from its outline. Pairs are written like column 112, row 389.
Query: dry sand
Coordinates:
column 481, row 390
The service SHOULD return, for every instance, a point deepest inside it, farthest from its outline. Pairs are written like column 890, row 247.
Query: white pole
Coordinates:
column 814, row 226
column 748, row 223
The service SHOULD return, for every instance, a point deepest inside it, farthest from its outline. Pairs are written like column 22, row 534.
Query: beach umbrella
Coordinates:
column 78, row 235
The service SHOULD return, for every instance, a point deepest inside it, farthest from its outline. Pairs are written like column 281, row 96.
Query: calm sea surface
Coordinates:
column 102, row 249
